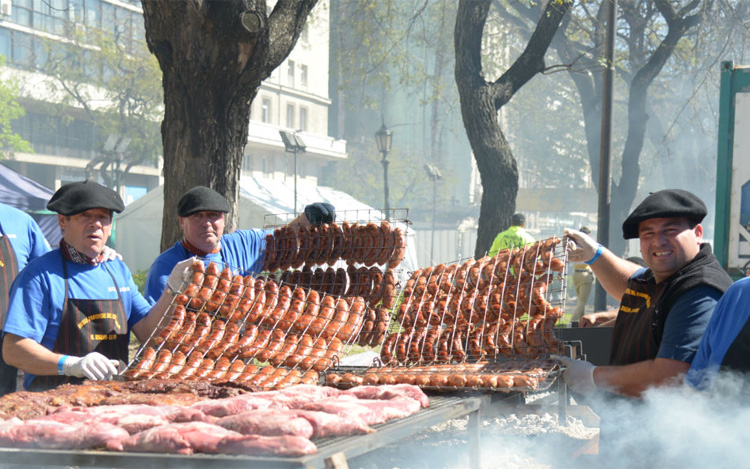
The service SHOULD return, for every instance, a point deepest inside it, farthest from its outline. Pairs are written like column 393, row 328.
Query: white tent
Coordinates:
column 264, row 203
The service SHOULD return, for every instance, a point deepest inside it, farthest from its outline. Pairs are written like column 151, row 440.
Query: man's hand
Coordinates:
column 597, row 319
column 320, row 212
column 93, row 366
column 109, row 254
column 578, row 375
column 581, row 247
column 179, row 275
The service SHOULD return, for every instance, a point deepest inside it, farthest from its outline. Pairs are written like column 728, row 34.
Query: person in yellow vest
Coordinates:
column 583, row 282
column 514, row 237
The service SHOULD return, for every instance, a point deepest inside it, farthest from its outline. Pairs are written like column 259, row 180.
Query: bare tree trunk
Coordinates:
column 481, row 101
column 212, row 67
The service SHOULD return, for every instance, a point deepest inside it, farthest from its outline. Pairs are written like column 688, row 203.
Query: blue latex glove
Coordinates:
column 578, row 375
column 320, row 212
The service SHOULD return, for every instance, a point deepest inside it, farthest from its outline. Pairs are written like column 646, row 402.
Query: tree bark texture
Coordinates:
column 212, row 68
column 482, row 100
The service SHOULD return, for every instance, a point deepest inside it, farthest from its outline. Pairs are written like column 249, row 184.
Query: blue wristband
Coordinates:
column 60, row 364
column 596, row 256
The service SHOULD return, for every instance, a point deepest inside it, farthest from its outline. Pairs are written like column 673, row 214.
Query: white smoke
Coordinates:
column 679, row 427
column 670, row 428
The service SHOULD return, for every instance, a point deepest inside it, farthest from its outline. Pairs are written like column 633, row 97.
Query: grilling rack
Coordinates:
column 479, row 324
column 297, row 331
column 507, row 376
column 225, row 326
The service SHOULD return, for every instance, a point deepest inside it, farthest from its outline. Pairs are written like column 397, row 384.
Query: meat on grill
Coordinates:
column 175, row 438
column 271, row 445
column 49, row 434
column 232, row 405
column 371, row 411
column 325, row 424
column 268, row 423
column 389, row 392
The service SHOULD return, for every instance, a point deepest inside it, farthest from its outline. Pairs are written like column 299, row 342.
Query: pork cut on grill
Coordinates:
column 273, row 445
column 325, row 424
column 132, row 418
column 175, row 438
column 233, row 405
column 268, row 423
column 273, row 423
column 389, row 392
column 49, row 434
column 372, row 411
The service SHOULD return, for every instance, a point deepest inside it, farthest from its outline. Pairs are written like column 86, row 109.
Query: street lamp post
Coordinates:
column 293, row 143
column 384, row 139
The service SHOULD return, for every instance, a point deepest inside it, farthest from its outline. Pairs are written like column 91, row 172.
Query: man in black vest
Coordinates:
column 664, row 308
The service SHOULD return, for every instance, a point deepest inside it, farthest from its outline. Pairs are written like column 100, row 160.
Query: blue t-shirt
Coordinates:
column 38, row 293
column 242, row 251
column 24, row 234
column 730, row 316
column 686, row 322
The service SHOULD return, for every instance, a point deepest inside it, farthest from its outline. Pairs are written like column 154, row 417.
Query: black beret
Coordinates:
column 320, row 212
column 201, row 199
column 77, row 197
column 669, row 203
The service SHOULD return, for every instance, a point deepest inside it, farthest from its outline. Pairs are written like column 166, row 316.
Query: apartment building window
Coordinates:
column 305, row 36
column 290, row 74
column 303, row 119
column 5, row 45
column 21, row 13
column 303, row 75
column 22, row 50
column 290, row 116
column 266, row 111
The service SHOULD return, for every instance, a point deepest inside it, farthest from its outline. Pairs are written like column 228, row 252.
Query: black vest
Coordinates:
column 644, row 309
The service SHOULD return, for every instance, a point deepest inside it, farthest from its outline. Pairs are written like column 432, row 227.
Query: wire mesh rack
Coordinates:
column 332, row 291
column 321, row 287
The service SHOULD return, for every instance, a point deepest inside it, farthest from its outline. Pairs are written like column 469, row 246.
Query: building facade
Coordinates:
column 295, row 98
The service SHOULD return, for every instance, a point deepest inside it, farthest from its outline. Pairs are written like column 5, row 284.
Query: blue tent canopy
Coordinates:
column 28, row 195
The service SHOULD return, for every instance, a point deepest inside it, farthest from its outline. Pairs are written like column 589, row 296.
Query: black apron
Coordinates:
column 88, row 326
column 8, row 273
column 634, row 338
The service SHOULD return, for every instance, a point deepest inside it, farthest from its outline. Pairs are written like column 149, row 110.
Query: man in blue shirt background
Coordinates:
column 21, row 241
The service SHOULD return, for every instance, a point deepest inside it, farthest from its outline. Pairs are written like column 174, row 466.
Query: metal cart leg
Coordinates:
column 474, row 442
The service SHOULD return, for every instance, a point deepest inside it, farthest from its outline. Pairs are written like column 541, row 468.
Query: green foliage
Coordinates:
column 10, row 110
column 140, row 280
column 116, row 82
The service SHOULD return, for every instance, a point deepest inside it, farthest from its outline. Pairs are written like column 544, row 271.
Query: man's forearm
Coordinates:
column 631, row 380
column 145, row 326
column 613, row 273
column 29, row 356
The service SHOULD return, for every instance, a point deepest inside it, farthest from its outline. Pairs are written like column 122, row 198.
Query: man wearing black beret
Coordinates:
column 664, row 308
column 201, row 211
column 70, row 314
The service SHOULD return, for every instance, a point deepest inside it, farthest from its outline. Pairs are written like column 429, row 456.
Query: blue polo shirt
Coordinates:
column 38, row 293
column 24, row 234
column 242, row 250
